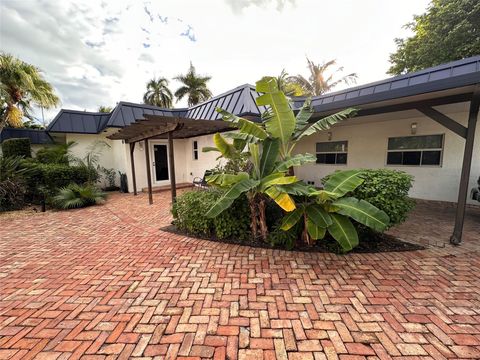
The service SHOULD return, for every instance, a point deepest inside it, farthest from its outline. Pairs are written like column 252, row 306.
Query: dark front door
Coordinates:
column 160, row 162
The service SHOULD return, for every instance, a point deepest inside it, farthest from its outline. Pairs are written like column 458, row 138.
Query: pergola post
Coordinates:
column 149, row 172
column 171, row 164
column 456, row 237
column 132, row 163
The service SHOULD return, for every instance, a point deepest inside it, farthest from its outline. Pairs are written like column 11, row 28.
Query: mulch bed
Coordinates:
column 374, row 243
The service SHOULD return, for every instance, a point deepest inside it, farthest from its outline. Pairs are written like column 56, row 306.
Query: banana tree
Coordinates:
column 264, row 180
column 330, row 210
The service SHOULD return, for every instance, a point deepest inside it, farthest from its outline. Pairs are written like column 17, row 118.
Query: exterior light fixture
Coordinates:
column 329, row 135
column 140, row 145
column 413, row 128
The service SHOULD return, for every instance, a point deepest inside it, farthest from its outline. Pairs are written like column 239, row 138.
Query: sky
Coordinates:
column 98, row 52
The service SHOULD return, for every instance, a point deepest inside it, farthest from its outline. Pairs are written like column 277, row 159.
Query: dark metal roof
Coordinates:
column 126, row 113
column 82, row 122
column 241, row 100
column 442, row 77
column 35, row 136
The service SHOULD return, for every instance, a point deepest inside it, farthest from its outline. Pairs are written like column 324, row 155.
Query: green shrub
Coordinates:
column 189, row 215
column 387, row 190
column 12, row 183
column 56, row 154
column 78, row 196
column 17, row 147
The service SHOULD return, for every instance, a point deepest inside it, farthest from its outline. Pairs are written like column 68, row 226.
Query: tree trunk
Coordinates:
column 262, row 219
column 305, row 236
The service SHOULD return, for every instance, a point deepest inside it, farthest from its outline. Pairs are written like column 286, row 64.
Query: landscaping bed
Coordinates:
column 374, row 243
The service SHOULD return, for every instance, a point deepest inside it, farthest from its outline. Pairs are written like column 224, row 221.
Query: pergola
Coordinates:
column 164, row 127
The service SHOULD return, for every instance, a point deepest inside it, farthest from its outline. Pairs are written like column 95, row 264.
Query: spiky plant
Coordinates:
column 194, row 87
column 78, row 196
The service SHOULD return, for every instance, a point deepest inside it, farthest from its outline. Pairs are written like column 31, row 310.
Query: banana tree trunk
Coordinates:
column 305, row 237
column 253, row 216
column 262, row 220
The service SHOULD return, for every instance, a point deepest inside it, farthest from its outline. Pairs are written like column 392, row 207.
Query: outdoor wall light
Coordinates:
column 140, row 145
column 413, row 128
column 329, row 135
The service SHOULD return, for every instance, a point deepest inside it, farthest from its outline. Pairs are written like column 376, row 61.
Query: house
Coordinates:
column 422, row 123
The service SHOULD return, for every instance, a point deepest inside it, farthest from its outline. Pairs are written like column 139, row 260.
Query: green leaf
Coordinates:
column 227, row 150
column 210, row 148
column 343, row 232
column 295, row 160
column 245, row 126
column 316, row 232
column 291, row 219
column 229, row 197
column 235, row 135
column 280, row 120
column 282, row 199
column 226, row 179
column 298, row 188
column 318, row 215
column 270, row 151
column 327, row 122
column 255, row 154
column 277, row 179
column 304, row 115
column 342, row 182
column 363, row 212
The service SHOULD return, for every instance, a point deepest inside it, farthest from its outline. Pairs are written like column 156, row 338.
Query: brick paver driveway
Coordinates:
column 105, row 282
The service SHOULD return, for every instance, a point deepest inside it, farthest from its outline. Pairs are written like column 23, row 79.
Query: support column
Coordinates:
column 456, row 237
column 132, row 163
column 171, row 170
column 149, row 172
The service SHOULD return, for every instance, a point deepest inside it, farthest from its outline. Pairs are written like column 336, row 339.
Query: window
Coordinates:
column 332, row 152
column 195, row 150
column 415, row 150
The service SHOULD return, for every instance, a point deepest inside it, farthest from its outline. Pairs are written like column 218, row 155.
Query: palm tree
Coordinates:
column 158, row 93
column 318, row 82
column 288, row 87
column 21, row 86
column 194, row 87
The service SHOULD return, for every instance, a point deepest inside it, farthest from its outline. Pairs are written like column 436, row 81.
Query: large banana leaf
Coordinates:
column 326, row 122
column 316, row 232
column 255, row 156
column 276, row 179
column 282, row 199
column 318, row 215
column 245, row 126
column 235, row 135
column 342, row 182
column 280, row 120
column 295, row 160
column 291, row 219
column 270, row 151
column 303, row 116
column 226, row 179
column 226, row 149
column 298, row 188
column 363, row 212
column 343, row 231
column 229, row 197
column 209, row 148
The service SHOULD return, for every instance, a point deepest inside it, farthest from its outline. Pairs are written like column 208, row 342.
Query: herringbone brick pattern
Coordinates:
column 106, row 283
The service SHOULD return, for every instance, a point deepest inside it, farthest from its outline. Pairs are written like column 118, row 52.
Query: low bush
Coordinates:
column 189, row 215
column 56, row 154
column 17, row 147
column 387, row 190
column 78, row 196
column 12, row 183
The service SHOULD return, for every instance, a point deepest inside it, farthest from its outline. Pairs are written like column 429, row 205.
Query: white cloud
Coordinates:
column 98, row 53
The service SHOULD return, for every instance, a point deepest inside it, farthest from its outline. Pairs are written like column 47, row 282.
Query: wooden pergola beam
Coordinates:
column 147, row 134
column 444, row 120
column 149, row 172
column 132, row 163
column 171, row 165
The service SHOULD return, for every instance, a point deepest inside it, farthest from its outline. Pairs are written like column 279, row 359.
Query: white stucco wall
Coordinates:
column 367, row 148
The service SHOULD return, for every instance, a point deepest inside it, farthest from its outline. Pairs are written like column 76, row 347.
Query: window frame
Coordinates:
column 422, row 150
column 331, row 152
column 195, row 152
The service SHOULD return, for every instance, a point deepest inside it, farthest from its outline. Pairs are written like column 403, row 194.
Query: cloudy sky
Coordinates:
column 101, row 52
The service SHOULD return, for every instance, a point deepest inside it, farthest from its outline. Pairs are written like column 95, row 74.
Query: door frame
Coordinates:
column 152, row 144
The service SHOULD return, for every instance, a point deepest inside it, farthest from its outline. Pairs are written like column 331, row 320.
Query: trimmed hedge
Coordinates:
column 17, row 147
column 189, row 215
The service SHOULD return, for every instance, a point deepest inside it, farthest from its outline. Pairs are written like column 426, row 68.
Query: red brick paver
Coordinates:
column 105, row 282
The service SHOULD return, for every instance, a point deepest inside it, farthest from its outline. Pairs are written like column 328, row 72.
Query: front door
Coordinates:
column 160, row 164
